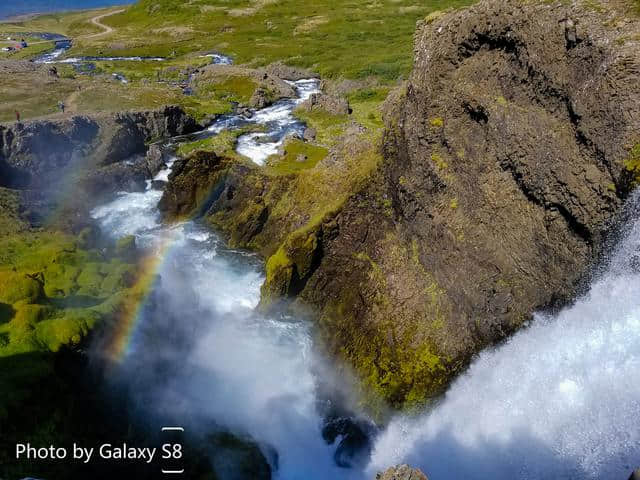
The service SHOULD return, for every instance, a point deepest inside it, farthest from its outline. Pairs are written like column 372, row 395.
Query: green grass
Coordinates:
column 221, row 144
column 298, row 155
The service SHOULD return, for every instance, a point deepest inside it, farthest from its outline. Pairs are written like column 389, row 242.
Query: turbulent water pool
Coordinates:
column 559, row 400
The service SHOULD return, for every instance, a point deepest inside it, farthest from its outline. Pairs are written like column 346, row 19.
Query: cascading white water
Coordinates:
column 280, row 123
column 561, row 399
column 250, row 374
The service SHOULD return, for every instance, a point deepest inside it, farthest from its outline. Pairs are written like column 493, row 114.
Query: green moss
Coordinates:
column 439, row 161
column 56, row 305
column 436, row 122
column 20, row 287
column 328, row 126
column 632, row 164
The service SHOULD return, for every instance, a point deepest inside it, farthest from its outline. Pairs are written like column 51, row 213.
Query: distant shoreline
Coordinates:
column 23, row 17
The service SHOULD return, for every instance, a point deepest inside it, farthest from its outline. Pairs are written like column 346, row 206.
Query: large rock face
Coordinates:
column 506, row 156
column 35, row 153
column 504, row 161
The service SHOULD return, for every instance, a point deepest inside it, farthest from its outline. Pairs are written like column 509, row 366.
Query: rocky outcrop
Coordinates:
column 328, row 103
column 402, row 472
column 39, row 152
column 287, row 72
column 506, row 156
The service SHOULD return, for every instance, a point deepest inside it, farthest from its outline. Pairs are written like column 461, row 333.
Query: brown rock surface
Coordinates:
column 402, row 472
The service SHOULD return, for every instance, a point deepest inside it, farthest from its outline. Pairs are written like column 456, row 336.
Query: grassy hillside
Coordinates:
column 358, row 40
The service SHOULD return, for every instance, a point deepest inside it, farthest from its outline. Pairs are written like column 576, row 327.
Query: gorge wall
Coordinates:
column 34, row 153
column 506, row 156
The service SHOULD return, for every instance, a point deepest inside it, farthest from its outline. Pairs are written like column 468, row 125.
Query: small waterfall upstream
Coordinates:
column 561, row 399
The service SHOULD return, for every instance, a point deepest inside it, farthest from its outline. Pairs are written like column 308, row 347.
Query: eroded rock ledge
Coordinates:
column 36, row 152
column 506, row 156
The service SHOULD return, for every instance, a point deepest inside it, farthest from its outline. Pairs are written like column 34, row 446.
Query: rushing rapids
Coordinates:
column 223, row 365
column 559, row 400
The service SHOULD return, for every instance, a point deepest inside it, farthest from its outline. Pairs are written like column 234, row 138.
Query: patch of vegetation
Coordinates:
column 632, row 164
column 53, row 288
column 298, row 155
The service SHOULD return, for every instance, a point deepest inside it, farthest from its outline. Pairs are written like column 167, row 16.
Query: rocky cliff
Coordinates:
column 34, row 153
column 506, row 156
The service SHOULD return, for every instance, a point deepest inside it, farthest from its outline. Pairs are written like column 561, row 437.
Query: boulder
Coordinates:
column 309, row 134
column 402, row 472
column 328, row 103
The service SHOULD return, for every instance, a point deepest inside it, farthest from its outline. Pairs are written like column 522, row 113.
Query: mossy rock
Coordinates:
column 20, row 287
column 90, row 280
column 632, row 164
column 126, row 248
column 69, row 329
column 61, row 280
column 290, row 267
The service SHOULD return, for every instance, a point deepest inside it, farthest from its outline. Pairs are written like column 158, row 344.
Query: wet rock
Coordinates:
column 126, row 248
column 354, row 445
column 192, row 184
column 236, row 458
column 155, row 159
column 402, row 472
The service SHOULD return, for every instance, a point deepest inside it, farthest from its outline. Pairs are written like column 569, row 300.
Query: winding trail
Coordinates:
column 106, row 28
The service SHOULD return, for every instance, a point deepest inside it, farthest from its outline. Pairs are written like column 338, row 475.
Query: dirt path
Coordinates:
column 106, row 28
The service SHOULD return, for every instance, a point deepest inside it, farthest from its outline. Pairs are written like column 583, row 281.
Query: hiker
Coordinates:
column 17, row 116
column 61, row 105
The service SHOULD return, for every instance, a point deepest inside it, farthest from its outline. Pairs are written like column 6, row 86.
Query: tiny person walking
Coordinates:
column 17, row 116
column 61, row 105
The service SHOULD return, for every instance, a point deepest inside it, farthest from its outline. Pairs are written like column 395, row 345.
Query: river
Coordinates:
column 560, row 399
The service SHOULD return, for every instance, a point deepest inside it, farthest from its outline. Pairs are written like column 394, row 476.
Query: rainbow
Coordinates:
column 129, row 312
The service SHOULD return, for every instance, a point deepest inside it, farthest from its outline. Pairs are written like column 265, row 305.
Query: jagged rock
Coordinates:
column 328, row 103
column 402, row 472
column 191, row 184
column 155, row 159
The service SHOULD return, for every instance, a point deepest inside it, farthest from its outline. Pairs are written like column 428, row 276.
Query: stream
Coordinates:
column 201, row 352
column 560, row 399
